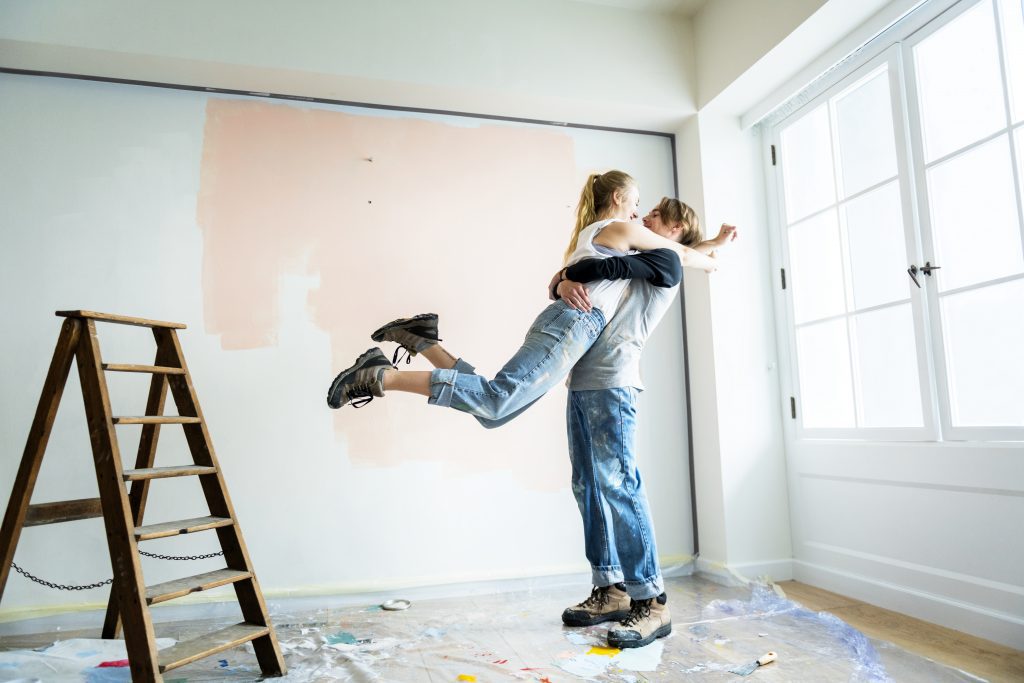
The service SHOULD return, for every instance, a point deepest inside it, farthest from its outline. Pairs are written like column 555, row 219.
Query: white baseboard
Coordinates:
column 773, row 570
column 1001, row 627
column 742, row 573
column 677, row 565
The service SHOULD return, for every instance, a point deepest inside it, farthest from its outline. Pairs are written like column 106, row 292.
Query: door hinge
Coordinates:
column 773, row 155
column 792, row 407
column 783, row 271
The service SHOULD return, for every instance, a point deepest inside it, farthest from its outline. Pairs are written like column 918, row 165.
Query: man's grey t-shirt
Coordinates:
column 614, row 359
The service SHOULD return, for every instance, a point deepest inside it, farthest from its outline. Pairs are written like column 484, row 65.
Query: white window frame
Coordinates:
column 949, row 431
column 894, row 47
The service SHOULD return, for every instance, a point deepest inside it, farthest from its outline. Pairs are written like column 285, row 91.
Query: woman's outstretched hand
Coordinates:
column 574, row 294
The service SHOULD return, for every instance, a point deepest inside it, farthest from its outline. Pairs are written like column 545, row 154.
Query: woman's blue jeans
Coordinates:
column 557, row 339
column 617, row 528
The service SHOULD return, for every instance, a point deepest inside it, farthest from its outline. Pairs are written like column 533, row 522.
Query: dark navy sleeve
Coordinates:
column 660, row 267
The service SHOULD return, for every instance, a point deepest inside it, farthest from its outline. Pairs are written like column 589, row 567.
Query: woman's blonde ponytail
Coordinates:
column 585, row 212
column 596, row 196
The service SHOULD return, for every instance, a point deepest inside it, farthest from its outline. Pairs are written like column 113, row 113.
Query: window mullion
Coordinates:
column 940, row 404
column 1004, row 73
column 844, row 263
column 910, row 182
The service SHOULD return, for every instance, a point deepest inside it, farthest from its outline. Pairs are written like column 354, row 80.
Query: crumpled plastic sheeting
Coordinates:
column 75, row 660
column 834, row 636
column 518, row 636
column 715, row 629
column 313, row 656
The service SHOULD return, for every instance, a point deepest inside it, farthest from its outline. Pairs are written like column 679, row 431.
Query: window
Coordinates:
column 904, row 252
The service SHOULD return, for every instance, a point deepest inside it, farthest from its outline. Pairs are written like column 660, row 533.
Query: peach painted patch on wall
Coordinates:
column 396, row 215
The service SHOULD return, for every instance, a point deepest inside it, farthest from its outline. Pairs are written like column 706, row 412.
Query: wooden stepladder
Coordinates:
column 122, row 510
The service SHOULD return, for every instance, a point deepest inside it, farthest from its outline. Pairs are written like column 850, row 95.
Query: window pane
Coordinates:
column 885, row 366
column 959, row 82
column 984, row 334
column 816, row 263
column 866, row 145
column 826, row 391
column 807, row 170
column 974, row 216
column 878, row 253
column 1013, row 49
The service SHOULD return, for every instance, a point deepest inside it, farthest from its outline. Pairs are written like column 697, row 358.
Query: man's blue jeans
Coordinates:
column 557, row 339
column 617, row 528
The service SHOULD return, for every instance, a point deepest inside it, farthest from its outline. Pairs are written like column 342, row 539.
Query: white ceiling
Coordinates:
column 684, row 8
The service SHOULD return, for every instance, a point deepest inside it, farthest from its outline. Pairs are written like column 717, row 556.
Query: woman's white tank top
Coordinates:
column 604, row 294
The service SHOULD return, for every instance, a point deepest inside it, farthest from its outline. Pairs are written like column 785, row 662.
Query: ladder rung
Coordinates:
column 156, row 420
column 184, row 526
column 178, row 588
column 209, row 644
column 152, row 369
column 164, row 472
column 122, row 319
column 63, row 511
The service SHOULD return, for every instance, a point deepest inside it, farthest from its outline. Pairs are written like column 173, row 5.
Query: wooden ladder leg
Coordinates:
column 35, row 447
column 145, row 458
column 236, row 555
column 250, row 599
column 140, row 639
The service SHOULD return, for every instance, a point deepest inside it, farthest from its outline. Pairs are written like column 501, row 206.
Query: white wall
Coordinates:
column 931, row 530
column 700, row 345
column 100, row 184
column 732, row 35
column 751, row 456
column 751, row 55
column 739, row 457
column 549, row 59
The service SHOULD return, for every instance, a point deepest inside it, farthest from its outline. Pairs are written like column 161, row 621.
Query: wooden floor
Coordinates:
column 976, row 656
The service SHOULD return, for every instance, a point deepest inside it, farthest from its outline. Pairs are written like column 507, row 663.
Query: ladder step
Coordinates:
column 156, row 420
column 164, row 472
column 63, row 511
column 152, row 369
column 169, row 590
column 209, row 644
column 184, row 526
column 122, row 319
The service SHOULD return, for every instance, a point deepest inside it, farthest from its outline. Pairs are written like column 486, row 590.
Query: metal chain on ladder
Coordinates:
column 181, row 557
column 100, row 584
column 58, row 586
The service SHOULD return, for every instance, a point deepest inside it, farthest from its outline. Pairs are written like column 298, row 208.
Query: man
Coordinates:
column 601, row 419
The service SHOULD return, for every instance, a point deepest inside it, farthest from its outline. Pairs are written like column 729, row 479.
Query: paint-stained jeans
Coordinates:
column 557, row 339
column 617, row 527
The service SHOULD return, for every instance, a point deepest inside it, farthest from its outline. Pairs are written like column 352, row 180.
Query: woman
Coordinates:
column 558, row 337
